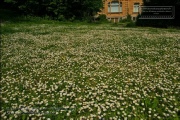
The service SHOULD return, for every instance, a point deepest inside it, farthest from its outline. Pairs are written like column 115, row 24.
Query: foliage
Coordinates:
column 127, row 19
column 102, row 18
column 131, row 24
column 57, row 9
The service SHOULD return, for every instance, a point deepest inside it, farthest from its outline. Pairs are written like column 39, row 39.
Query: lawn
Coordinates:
column 60, row 71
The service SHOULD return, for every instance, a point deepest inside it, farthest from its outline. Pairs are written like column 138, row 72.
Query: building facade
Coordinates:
column 116, row 10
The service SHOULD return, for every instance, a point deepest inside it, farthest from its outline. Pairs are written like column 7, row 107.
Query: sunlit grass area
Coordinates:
column 74, row 71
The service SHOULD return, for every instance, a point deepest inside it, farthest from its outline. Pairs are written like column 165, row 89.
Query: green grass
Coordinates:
column 80, row 70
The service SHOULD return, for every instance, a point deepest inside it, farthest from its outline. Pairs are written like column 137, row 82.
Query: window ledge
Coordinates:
column 135, row 12
column 114, row 12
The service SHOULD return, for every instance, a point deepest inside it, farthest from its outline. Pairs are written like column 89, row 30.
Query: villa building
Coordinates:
column 116, row 10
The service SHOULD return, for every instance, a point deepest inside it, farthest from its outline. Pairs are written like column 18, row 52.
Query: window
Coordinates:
column 114, row 7
column 136, row 7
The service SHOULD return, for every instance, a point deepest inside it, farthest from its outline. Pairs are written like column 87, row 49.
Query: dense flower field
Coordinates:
column 58, row 72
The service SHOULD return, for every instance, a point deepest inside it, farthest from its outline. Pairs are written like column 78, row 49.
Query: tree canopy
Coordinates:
column 57, row 9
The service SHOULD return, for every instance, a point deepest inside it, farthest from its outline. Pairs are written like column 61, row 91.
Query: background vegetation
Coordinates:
column 55, row 9
column 84, row 10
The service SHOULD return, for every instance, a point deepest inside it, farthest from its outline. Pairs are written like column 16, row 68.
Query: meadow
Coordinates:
column 58, row 71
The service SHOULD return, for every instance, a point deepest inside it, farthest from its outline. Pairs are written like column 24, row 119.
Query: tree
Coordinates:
column 79, row 9
column 83, row 8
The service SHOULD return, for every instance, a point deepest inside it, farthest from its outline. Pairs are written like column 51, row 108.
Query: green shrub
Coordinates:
column 72, row 18
column 61, row 18
column 98, row 20
column 88, row 19
column 131, row 24
column 102, row 17
column 127, row 19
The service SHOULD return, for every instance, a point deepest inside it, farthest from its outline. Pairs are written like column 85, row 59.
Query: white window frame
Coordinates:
column 136, row 7
column 114, row 7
